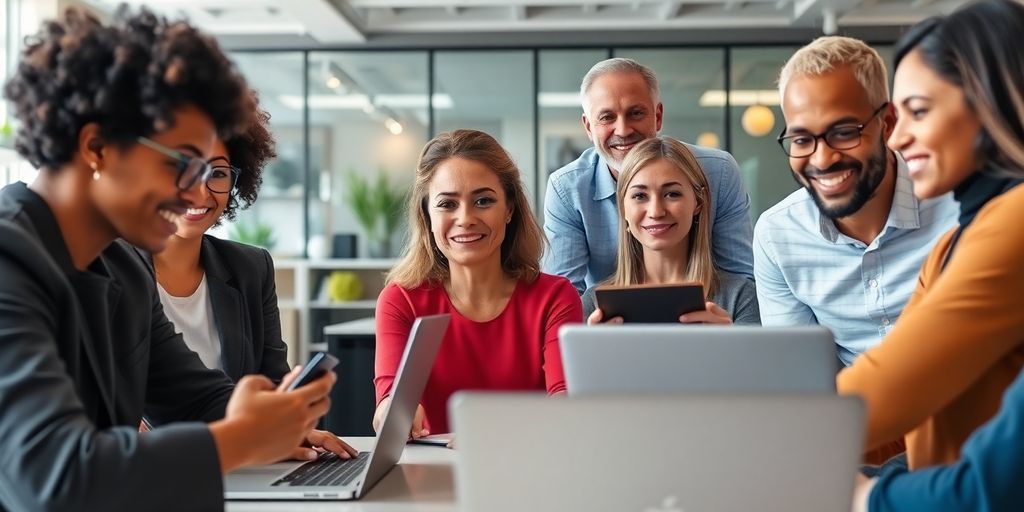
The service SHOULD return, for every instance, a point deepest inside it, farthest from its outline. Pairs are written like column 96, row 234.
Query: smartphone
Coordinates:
column 650, row 303
column 317, row 367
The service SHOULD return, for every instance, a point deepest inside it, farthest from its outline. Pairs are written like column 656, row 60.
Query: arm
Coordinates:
column 567, row 253
column 746, row 311
column 987, row 478
column 731, row 230
column 565, row 308
column 275, row 352
column 394, row 323
column 776, row 303
column 55, row 457
column 950, row 336
column 179, row 386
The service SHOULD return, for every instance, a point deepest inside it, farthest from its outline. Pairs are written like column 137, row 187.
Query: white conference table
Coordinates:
column 423, row 481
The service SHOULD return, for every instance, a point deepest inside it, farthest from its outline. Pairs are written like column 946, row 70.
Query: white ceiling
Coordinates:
column 346, row 22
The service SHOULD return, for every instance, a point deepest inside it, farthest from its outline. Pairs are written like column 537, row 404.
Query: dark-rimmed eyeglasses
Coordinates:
column 191, row 169
column 223, row 178
column 844, row 136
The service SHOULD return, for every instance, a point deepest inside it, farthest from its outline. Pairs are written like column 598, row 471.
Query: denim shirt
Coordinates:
column 581, row 218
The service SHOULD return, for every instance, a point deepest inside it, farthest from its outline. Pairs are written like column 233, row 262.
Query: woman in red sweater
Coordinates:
column 473, row 252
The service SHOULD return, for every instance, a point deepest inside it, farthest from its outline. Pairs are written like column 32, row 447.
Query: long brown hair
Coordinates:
column 421, row 260
column 630, row 261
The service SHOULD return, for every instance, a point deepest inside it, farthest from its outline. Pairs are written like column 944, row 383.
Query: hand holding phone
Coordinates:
column 317, row 367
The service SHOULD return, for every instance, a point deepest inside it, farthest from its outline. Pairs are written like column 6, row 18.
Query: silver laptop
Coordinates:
column 692, row 453
column 332, row 478
column 697, row 358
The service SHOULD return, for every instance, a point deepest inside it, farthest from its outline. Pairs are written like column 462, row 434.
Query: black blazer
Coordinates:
column 244, row 299
column 82, row 356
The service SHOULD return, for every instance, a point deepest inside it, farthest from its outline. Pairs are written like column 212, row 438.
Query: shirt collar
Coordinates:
column 903, row 214
column 604, row 184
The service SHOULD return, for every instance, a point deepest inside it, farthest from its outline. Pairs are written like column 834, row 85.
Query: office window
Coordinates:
column 562, row 137
column 690, row 82
column 369, row 117
column 279, row 210
column 492, row 92
column 756, row 119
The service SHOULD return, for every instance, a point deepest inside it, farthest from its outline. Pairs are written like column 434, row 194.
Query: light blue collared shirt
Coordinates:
column 807, row 272
column 581, row 218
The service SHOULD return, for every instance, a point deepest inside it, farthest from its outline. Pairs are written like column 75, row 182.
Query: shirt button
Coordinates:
column 874, row 284
column 885, row 322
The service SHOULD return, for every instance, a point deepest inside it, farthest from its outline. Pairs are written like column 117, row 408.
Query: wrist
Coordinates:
column 231, row 452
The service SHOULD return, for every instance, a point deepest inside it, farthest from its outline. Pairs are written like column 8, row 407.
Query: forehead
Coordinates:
column 914, row 78
column 192, row 127
column 815, row 102
column 462, row 175
column 657, row 172
column 619, row 90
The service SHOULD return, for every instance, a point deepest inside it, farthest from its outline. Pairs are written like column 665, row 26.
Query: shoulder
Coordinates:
column 550, row 290
column 797, row 206
column 735, row 283
column 232, row 251
column 711, row 158
column 549, row 283
column 576, row 172
column 130, row 266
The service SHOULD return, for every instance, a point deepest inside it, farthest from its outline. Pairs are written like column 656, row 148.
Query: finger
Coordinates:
column 616, row 320
column 706, row 317
column 255, row 383
column 331, row 443
column 303, row 453
column 595, row 317
column 316, row 390
column 417, row 430
column 289, row 378
column 451, row 444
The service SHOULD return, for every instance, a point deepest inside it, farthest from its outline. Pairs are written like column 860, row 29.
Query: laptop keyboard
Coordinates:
column 327, row 470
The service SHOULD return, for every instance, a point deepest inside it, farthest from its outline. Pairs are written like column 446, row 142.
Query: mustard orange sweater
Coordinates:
column 958, row 345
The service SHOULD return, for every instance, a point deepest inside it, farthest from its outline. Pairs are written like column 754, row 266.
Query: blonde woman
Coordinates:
column 664, row 236
column 474, row 252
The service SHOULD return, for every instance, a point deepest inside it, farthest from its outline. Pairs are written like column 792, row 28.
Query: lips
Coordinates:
column 467, row 238
column 194, row 214
column 833, row 182
column 916, row 164
column 657, row 229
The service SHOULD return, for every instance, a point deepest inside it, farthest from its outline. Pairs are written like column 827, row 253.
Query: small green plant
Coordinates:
column 377, row 207
column 253, row 233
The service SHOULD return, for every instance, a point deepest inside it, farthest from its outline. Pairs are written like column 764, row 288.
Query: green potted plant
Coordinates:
column 377, row 206
column 253, row 233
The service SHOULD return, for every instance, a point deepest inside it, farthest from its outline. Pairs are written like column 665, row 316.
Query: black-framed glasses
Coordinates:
column 223, row 178
column 191, row 169
column 844, row 136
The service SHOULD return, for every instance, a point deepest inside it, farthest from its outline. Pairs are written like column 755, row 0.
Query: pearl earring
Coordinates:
column 95, row 171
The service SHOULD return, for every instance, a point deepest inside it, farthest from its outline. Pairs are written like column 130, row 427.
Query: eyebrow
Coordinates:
column 908, row 99
column 664, row 185
column 848, row 120
column 219, row 158
column 188, row 148
column 456, row 194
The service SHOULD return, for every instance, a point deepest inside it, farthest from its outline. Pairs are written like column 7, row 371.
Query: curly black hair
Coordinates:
column 129, row 78
column 249, row 153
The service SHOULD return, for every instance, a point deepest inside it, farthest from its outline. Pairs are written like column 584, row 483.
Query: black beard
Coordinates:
column 869, row 177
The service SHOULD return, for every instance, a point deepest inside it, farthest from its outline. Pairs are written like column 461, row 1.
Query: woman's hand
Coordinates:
column 712, row 314
column 319, row 441
column 415, row 432
column 597, row 317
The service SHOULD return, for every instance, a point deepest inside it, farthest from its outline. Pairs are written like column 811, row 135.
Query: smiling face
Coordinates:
column 137, row 191
column 659, row 206
column 468, row 211
column 840, row 181
column 205, row 207
column 936, row 131
column 620, row 113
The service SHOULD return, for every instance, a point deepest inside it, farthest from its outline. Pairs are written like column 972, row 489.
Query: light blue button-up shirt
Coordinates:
column 807, row 272
column 581, row 218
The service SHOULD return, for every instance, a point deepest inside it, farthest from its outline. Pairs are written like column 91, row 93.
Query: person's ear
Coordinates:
column 91, row 146
column 586, row 125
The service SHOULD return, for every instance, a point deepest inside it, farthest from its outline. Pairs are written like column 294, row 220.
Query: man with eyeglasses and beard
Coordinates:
column 845, row 249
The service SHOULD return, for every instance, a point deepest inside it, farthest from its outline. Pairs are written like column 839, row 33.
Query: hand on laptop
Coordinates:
column 417, row 431
column 597, row 317
column 319, row 441
column 263, row 424
column 712, row 314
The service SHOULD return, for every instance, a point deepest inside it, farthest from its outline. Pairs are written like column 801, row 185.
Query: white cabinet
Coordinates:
column 305, row 310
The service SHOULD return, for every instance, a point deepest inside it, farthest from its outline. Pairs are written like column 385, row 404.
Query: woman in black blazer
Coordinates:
column 221, row 294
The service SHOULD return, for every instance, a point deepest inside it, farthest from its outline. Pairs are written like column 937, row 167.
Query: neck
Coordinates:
column 666, row 266
column 866, row 224
column 484, row 283
column 180, row 257
column 85, row 231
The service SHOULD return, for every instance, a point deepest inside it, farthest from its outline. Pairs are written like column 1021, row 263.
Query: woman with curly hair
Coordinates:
column 220, row 294
column 121, row 121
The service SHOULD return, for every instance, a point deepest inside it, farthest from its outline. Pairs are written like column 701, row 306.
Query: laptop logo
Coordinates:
column 667, row 505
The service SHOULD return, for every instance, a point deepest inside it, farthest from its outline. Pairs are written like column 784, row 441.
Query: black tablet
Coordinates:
column 650, row 303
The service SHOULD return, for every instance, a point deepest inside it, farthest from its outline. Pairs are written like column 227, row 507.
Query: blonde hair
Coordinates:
column 521, row 250
column 630, row 261
column 827, row 53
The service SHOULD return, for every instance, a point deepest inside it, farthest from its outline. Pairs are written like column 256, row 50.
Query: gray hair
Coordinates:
column 827, row 53
column 618, row 65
